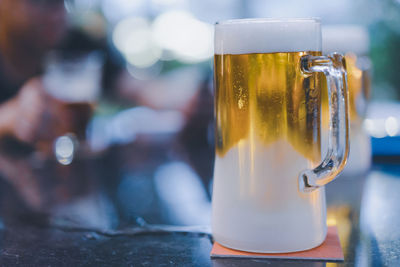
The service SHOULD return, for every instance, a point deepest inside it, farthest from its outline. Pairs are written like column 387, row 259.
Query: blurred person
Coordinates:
column 196, row 137
column 28, row 30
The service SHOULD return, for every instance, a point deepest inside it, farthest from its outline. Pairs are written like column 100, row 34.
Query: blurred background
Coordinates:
column 151, row 38
column 79, row 78
column 155, row 37
column 106, row 109
column 86, row 78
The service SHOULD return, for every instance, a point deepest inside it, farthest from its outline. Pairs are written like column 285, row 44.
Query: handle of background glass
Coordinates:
column 333, row 66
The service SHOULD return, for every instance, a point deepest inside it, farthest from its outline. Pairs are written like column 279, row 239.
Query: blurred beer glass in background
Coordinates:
column 353, row 42
column 74, row 77
column 74, row 80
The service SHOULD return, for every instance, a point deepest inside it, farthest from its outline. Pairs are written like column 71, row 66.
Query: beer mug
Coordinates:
column 268, row 191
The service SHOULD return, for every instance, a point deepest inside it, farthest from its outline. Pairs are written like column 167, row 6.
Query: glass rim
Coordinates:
column 267, row 20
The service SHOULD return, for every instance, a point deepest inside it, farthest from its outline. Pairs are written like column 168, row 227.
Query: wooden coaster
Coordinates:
column 329, row 250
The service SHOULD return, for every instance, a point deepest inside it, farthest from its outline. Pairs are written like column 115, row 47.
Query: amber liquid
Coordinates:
column 267, row 97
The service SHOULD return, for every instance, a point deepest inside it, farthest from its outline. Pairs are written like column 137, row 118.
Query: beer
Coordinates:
column 265, row 98
column 268, row 117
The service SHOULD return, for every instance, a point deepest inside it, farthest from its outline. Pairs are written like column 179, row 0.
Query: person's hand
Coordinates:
column 30, row 111
column 40, row 118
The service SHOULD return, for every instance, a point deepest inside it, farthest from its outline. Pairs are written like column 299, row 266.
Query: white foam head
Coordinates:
column 246, row 36
column 345, row 38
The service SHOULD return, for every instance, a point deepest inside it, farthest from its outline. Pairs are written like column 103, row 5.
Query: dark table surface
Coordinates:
column 147, row 203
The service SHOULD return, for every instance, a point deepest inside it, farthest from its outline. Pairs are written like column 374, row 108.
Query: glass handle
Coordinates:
column 333, row 67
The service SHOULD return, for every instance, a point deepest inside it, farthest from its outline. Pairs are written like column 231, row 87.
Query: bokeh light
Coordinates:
column 114, row 10
column 189, row 39
column 64, row 149
column 391, row 126
column 133, row 38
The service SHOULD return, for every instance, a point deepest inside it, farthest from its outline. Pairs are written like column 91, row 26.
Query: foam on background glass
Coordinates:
column 74, row 78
